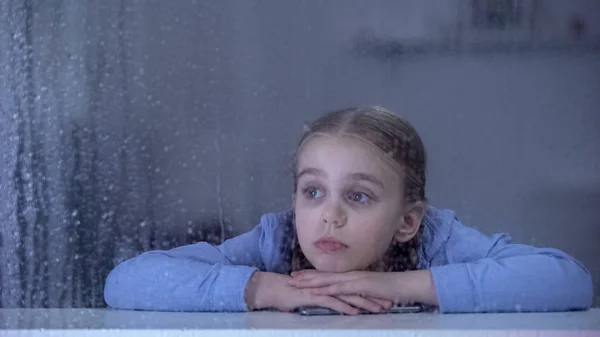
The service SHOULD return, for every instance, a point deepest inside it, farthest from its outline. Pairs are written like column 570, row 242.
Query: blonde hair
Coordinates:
column 399, row 142
column 396, row 138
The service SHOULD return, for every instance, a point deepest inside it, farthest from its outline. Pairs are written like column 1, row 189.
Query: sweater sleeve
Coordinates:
column 197, row 277
column 491, row 274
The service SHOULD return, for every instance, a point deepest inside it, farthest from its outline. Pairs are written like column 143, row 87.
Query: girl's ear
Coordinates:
column 411, row 222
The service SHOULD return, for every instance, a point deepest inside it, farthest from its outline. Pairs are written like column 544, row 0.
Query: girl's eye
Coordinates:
column 313, row 193
column 359, row 197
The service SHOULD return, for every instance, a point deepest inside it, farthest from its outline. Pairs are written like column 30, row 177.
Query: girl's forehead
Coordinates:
column 346, row 154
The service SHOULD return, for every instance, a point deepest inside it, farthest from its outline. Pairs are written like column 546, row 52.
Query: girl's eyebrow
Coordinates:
column 354, row 176
column 367, row 177
column 310, row 170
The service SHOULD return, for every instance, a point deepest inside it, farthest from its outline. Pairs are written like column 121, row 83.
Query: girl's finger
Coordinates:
column 335, row 304
column 307, row 274
column 310, row 283
column 385, row 304
column 361, row 303
column 314, row 281
column 344, row 288
column 297, row 272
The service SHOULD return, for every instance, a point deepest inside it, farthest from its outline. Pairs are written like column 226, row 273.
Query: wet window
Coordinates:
column 128, row 126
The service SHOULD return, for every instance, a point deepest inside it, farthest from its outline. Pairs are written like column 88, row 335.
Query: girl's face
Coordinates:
column 348, row 203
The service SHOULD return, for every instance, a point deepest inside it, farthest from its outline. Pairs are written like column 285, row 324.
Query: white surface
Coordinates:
column 105, row 322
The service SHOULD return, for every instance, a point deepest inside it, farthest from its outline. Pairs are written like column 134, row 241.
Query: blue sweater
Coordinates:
column 471, row 272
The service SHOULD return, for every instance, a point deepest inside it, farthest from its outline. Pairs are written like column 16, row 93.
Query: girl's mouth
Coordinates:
column 330, row 245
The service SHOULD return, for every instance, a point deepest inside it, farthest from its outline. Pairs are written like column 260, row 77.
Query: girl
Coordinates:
column 360, row 235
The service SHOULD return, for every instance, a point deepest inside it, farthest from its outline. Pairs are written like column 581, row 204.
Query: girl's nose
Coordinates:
column 334, row 215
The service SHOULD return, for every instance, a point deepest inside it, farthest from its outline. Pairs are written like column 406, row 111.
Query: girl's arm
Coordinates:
column 483, row 273
column 198, row 277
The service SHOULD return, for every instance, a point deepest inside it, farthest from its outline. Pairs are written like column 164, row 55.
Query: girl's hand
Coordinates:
column 372, row 304
column 271, row 290
column 399, row 287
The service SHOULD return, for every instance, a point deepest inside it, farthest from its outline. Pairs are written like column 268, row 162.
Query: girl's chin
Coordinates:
column 327, row 265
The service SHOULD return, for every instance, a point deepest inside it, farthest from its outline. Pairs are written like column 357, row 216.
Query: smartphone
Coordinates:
column 319, row 311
